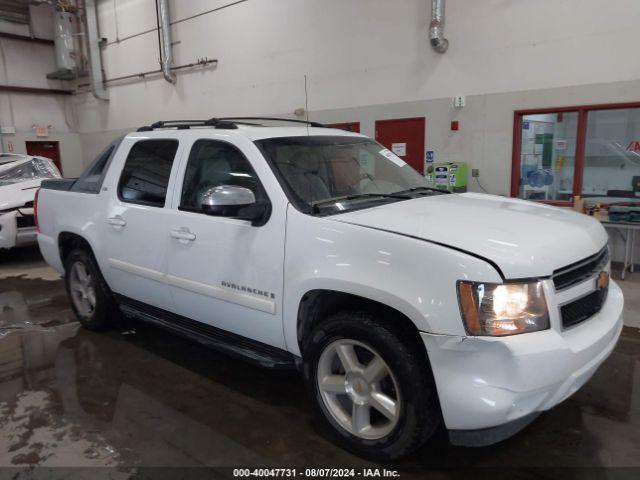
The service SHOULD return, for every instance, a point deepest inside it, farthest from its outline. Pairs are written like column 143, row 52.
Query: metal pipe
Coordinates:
column 436, row 28
column 34, row 90
column 165, row 43
column 95, row 59
column 13, row 36
column 201, row 62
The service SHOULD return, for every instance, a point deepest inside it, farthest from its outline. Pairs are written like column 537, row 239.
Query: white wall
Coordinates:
column 357, row 53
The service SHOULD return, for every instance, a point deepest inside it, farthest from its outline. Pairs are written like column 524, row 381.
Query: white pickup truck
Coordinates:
column 301, row 246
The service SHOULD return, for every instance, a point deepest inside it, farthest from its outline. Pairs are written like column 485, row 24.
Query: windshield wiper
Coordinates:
column 316, row 206
column 421, row 189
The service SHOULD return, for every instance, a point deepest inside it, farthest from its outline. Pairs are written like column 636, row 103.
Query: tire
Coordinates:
column 91, row 301
column 409, row 383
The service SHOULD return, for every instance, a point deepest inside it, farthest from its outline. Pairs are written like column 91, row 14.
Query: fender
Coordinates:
column 414, row 277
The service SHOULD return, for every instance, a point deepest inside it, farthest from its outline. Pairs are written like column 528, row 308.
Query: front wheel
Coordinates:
column 372, row 388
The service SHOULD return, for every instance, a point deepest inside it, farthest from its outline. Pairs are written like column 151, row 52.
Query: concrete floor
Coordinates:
column 140, row 397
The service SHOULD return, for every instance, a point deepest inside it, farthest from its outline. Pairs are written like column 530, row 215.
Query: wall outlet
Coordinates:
column 475, row 172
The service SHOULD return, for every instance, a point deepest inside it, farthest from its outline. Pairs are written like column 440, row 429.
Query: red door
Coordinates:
column 349, row 127
column 50, row 150
column 404, row 137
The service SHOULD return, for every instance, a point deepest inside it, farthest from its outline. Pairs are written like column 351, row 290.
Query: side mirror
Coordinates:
column 233, row 202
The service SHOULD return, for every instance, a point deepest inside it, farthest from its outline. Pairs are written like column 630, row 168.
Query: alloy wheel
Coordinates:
column 359, row 389
column 83, row 293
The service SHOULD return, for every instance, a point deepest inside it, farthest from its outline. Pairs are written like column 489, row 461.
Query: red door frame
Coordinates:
column 578, row 169
column 348, row 126
column 421, row 120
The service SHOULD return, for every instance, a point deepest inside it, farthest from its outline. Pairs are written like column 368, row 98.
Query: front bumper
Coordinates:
column 13, row 236
column 486, row 382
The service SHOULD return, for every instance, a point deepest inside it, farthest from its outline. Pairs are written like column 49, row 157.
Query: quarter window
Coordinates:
column 214, row 163
column 146, row 172
column 91, row 180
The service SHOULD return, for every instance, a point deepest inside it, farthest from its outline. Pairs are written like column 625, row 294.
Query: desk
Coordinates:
column 627, row 231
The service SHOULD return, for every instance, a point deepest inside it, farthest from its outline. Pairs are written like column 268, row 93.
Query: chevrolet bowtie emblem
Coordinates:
column 602, row 281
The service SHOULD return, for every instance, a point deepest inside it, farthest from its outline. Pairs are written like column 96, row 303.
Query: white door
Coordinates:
column 135, row 222
column 226, row 272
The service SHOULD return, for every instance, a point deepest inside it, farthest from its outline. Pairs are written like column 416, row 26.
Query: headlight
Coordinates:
column 499, row 309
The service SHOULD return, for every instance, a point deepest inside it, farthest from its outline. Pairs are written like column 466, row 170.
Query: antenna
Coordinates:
column 306, row 102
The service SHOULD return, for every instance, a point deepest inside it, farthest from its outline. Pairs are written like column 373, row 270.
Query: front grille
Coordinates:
column 581, row 271
column 582, row 309
column 25, row 221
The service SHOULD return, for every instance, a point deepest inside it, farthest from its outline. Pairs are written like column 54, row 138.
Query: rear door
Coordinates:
column 225, row 272
column 135, row 221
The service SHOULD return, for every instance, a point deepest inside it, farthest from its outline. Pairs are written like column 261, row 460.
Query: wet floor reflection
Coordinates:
column 142, row 397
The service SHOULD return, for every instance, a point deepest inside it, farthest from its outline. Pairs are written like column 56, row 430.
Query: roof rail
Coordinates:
column 311, row 124
column 227, row 123
column 186, row 124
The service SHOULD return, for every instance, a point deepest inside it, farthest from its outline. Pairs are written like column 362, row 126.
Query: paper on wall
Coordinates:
column 399, row 149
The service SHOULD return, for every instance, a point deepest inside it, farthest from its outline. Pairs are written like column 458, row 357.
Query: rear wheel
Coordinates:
column 373, row 389
column 91, row 299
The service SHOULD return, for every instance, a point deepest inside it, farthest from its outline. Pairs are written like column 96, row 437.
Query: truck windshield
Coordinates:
column 34, row 169
column 334, row 174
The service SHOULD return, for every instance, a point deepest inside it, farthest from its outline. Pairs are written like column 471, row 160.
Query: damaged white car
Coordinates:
column 20, row 177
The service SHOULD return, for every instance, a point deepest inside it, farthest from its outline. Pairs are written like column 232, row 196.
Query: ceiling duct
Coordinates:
column 436, row 28
column 95, row 58
column 166, row 50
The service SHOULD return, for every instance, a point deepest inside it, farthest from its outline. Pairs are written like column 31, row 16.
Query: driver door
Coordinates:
column 225, row 272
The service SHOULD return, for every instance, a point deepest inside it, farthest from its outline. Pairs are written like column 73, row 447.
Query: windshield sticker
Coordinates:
column 393, row 157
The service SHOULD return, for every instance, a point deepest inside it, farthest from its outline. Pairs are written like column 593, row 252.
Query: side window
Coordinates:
column 146, row 172
column 211, row 164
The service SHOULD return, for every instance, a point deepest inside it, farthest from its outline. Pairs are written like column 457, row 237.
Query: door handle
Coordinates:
column 116, row 221
column 183, row 235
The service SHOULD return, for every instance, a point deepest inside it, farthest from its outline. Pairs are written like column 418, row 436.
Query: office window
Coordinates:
column 612, row 154
column 547, row 155
column 591, row 151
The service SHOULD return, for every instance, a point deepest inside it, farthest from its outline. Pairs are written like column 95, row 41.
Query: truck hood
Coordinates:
column 523, row 239
column 17, row 194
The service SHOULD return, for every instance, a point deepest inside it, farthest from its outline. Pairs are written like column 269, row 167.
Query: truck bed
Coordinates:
column 63, row 184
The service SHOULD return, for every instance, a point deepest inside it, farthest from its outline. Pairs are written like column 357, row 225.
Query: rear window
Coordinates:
column 146, row 172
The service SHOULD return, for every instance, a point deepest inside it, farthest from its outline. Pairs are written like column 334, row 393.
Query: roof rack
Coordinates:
column 187, row 124
column 251, row 119
column 228, row 123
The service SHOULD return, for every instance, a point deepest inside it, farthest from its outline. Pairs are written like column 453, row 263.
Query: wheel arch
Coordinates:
column 69, row 241
column 318, row 305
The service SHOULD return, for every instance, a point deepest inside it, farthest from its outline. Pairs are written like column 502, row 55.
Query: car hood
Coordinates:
column 17, row 194
column 524, row 239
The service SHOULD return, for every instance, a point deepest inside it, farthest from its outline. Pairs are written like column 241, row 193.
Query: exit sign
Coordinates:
column 42, row 131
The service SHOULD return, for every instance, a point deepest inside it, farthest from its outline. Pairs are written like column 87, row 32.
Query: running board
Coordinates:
column 254, row 352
